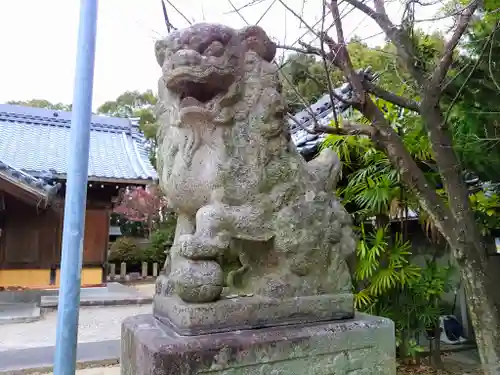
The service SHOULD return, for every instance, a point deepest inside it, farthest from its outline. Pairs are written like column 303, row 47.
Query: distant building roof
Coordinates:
column 308, row 144
column 36, row 141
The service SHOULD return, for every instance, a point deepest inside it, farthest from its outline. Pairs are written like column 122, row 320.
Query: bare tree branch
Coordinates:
column 237, row 11
column 301, row 19
column 347, row 128
column 170, row 27
column 179, row 12
column 398, row 36
column 334, row 8
column 303, row 102
column 326, row 65
column 471, row 72
column 340, row 57
column 380, row 8
column 439, row 74
column 490, row 65
column 390, row 97
column 384, row 136
column 304, row 51
column 456, row 12
column 265, row 12
column 247, row 5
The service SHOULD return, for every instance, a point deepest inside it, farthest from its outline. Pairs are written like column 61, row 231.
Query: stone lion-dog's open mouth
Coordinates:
column 203, row 64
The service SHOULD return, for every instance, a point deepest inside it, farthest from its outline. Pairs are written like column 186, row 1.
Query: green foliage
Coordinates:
column 387, row 280
column 161, row 240
column 42, row 103
column 387, row 283
column 474, row 88
column 371, row 186
column 475, row 117
column 125, row 249
column 139, row 105
column 308, row 77
column 131, row 104
column 487, row 210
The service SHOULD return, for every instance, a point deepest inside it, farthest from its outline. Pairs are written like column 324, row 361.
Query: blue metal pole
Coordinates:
column 76, row 194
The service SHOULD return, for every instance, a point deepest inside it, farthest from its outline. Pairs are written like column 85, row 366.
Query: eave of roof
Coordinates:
column 38, row 188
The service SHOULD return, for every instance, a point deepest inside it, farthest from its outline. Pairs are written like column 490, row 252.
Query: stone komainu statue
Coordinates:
column 253, row 217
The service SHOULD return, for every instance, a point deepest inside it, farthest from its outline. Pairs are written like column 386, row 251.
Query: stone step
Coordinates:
column 19, row 312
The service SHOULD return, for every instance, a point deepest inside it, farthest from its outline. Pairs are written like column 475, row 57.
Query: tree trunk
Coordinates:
column 435, row 352
column 479, row 272
column 455, row 220
column 482, row 286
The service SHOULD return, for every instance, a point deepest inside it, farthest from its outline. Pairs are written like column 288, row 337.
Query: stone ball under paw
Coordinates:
column 199, row 281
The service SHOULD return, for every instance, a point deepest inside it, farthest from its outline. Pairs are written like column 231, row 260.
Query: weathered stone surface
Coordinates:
column 250, row 312
column 361, row 346
column 253, row 217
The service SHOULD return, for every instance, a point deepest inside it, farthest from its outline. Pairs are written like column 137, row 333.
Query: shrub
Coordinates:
column 390, row 285
column 159, row 244
column 125, row 249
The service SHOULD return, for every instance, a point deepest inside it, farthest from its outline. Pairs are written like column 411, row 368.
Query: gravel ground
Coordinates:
column 110, row 370
column 402, row 370
column 147, row 289
column 95, row 324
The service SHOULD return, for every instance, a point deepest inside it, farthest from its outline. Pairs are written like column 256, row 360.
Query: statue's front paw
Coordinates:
column 196, row 248
column 199, row 281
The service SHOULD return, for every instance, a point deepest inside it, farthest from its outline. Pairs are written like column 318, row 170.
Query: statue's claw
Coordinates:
column 196, row 248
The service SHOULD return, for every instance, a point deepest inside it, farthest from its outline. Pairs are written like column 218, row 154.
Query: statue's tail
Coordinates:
column 325, row 170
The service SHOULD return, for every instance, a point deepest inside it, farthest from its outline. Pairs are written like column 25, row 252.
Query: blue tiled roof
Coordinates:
column 36, row 140
column 308, row 144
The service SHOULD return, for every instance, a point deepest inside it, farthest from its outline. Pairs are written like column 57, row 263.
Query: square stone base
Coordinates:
column 364, row 345
column 250, row 312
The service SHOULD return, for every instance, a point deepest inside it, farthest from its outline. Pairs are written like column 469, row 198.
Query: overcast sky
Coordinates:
column 38, row 40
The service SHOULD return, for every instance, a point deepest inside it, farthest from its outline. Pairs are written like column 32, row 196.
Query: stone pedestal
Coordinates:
column 249, row 312
column 364, row 345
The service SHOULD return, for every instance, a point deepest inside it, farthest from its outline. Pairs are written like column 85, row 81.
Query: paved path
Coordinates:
column 95, row 324
column 43, row 357
column 32, row 345
column 111, row 370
